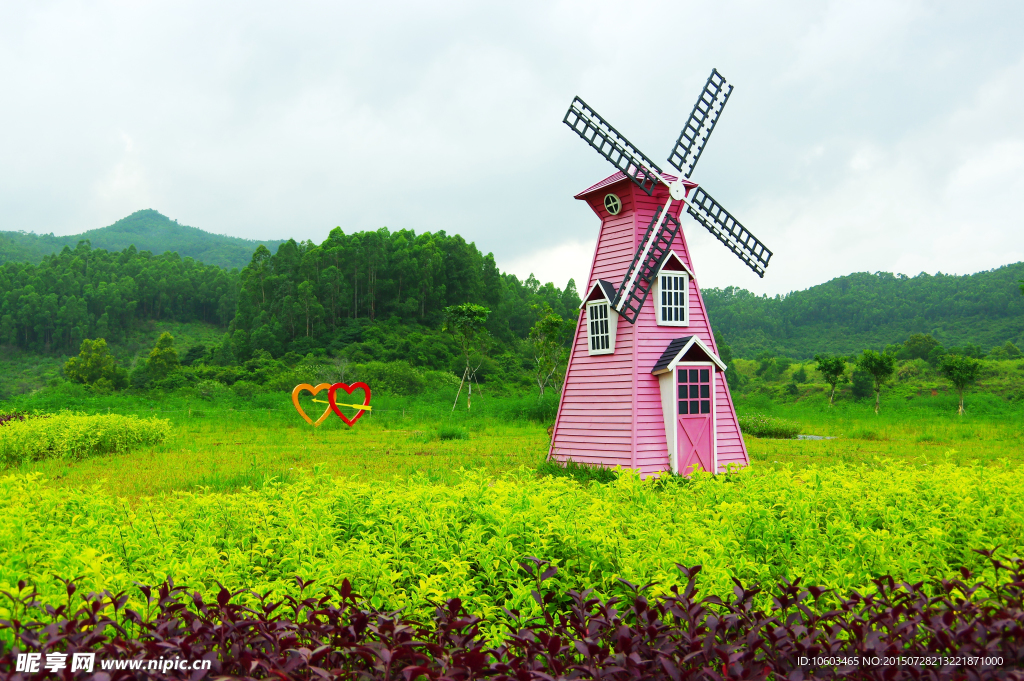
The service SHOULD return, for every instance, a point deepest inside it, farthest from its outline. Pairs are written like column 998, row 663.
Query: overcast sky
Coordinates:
column 861, row 136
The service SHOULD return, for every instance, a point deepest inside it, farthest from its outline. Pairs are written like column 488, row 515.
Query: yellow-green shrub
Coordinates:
column 408, row 543
column 76, row 436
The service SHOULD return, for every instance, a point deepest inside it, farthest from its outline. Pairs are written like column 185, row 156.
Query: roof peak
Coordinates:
column 615, row 177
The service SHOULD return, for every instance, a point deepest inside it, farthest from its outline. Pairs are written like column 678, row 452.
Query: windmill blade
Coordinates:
column 702, row 121
column 589, row 125
column 648, row 260
column 729, row 231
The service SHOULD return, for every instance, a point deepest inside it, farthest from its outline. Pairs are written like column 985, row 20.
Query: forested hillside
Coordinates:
column 147, row 230
column 93, row 293
column 308, row 296
column 851, row 313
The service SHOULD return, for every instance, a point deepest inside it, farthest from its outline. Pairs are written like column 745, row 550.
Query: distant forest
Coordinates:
column 851, row 313
column 381, row 295
column 147, row 230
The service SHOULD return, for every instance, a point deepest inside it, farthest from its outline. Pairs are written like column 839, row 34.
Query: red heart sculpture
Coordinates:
column 349, row 388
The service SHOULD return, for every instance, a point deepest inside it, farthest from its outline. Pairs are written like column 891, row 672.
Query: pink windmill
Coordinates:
column 645, row 387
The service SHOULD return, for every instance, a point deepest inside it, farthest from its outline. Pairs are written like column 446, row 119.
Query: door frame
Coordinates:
column 674, row 459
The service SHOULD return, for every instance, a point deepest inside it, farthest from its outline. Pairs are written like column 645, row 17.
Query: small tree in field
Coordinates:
column 466, row 323
column 881, row 367
column 95, row 366
column 546, row 347
column 163, row 358
column 833, row 369
column 962, row 372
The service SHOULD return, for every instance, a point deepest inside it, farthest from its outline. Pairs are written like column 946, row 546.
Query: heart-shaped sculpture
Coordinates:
column 306, row 386
column 349, row 388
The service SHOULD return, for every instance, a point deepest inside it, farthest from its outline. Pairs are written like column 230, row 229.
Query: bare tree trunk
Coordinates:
column 960, row 412
column 831, row 395
column 878, row 397
column 460, row 388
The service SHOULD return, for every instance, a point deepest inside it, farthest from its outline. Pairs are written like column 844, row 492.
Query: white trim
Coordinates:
column 590, row 292
column 658, row 302
column 672, row 254
column 612, row 321
column 686, row 348
column 674, row 460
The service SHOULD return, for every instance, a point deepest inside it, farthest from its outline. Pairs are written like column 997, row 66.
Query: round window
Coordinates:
column 612, row 204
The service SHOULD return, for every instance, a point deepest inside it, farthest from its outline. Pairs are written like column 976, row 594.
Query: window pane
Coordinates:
column 694, row 408
column 705, row 391
column 682, row 408
column 705, row 407
column 694, row 391
column 682, row 392
column 682, row 375
column 705, row 375
column 693, row 375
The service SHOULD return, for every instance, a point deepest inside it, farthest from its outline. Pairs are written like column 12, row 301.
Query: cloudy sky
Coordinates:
column 861, row 136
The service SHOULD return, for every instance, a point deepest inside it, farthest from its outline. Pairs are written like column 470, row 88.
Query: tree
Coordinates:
column 466, row 322
column 881, row 368
column 962, row 372
column 546, row 347
column 95, row 366
column 917, row 347
column 833, row 369
column 163, row 358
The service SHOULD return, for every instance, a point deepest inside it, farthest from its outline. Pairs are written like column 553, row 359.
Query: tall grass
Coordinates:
column 70, row 437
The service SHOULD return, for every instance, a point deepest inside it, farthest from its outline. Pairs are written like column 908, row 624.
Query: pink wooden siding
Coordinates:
column 611, row 405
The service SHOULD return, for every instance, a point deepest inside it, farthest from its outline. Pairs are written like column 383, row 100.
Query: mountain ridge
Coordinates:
column 147, row 230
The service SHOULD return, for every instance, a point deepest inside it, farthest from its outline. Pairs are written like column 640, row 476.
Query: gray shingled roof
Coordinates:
column 670, row 353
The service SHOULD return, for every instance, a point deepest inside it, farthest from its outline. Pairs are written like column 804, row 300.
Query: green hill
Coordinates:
column 862, row 310
column 147, row 230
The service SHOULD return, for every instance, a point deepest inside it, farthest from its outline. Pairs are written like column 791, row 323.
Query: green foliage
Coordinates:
column 962, row 372
column 1006, row 351
column 450, row 432
column 88, row 293
column 95, row 366
column 761, row 425
column 734, row 378
column 862, row 310
column 917, row 346
column 163, row 358
column 833, row 370
column 548, row 345
column 308, row 296
column 412, row 543
column 69, row 436
column 581, row 472
column 800, row 375
column 145, row 230
column 881, row 367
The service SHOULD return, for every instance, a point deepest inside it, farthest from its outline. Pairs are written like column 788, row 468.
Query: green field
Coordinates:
column 416, row 503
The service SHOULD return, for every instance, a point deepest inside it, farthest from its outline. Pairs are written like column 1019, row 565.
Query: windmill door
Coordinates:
column 695, row 418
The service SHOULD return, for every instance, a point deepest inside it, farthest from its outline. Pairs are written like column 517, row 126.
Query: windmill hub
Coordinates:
column 680, row 189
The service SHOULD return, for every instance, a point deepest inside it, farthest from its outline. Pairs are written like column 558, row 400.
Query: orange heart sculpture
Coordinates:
column 349, row 388
column 295, row 400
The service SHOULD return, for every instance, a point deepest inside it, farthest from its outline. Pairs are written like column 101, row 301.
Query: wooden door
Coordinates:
column 695, row 430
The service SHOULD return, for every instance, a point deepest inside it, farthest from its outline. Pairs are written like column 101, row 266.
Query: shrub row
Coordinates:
column 968, row 630
column 760, row 425
column 411, row 543
column 72, row 436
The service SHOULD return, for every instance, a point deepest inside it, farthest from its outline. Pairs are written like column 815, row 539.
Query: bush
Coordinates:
column 863, row 384
column 760, row 425
column 246, row 389
column 390, row 378
column 76, row 436
column 583, row 472
column 452, row 433
column 645, row 635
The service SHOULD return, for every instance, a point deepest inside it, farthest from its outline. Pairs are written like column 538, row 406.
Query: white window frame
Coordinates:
column 612, row 321
column 658, row 300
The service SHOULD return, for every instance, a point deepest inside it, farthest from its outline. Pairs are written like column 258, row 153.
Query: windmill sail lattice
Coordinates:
column 636, row 285
column 729, row 231
column 646, row 263
column 589, row 125
column 702, row 121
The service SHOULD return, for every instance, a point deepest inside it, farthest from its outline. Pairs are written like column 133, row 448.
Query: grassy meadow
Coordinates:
column 417, row 503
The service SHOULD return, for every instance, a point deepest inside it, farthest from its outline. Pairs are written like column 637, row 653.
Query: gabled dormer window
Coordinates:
column 601, row 320
column 672, row 297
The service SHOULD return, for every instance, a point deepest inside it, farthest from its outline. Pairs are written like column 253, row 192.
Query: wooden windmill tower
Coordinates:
column 645, row 387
